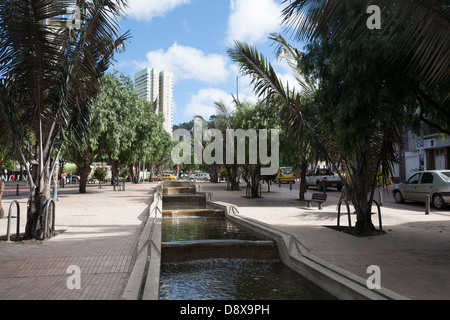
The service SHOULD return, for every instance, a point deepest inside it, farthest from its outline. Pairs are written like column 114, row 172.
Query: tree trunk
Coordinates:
column 255, row 177
column 303, row 180
column 363, row 205
column 83, row 162
column 232, row 176
column 37, row 201
column 84, row 174
column 214, row 173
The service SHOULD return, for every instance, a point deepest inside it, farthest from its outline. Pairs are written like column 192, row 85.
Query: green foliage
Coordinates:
column 100, row 173
column 124, row 173
column 125, row 127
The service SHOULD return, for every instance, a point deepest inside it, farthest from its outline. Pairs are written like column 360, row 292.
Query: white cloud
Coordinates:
column 188, row 63
column 148, row 9
column 202, row 104
column 252, row 21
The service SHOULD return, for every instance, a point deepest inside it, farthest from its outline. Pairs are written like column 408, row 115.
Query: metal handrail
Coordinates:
column 47, row 205
column 8, row 234
column 348, row 211
column 339, row 213
column 379, row 214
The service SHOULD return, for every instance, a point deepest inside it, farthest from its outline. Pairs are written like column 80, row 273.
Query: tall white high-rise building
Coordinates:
column 157, row 86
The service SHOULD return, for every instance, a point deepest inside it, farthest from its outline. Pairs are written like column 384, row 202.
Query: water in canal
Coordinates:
column 225, row 279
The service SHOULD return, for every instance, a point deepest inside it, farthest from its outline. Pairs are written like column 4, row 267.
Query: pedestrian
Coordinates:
column 69, row 177
column 63, row 178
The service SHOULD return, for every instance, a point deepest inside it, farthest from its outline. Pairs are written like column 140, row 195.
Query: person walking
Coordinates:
column 63, row 179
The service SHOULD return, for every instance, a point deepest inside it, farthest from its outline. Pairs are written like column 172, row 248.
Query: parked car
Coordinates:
column 167, row 176
column 285, row 174
column 199, row 176
column 322, row 177
column 433, row 183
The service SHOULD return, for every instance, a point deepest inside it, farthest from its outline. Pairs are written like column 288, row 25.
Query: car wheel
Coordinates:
column 398, row 197
column 438, row 202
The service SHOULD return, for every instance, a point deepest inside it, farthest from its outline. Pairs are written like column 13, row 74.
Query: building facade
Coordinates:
column 427, row 152
column 157, row 86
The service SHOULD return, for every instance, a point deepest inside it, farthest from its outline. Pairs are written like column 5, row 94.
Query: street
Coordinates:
column 386, row 197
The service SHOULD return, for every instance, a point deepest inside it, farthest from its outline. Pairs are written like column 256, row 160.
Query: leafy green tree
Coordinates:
column 263, row 115
column 100, row 174
column 49, row 76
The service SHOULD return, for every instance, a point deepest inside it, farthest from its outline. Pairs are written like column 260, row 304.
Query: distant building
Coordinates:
column 157, row 86
column 428, row 152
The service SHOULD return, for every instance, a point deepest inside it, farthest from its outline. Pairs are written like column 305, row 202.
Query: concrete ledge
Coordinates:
column 143, row 282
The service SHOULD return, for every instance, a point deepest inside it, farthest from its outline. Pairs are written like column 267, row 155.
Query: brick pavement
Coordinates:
column 100, row 233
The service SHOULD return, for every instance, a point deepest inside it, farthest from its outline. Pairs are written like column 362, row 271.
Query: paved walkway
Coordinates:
column 101, row 230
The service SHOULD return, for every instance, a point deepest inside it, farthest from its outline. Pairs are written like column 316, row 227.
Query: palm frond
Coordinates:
column 267, row 85
column 421, row 28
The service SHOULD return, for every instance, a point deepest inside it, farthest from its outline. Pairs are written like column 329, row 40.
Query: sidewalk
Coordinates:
column 100, row 233
column 413, row 255
column 102, row 228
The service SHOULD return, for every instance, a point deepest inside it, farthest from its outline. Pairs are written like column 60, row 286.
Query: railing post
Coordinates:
column 427, row 205
column 8, row 232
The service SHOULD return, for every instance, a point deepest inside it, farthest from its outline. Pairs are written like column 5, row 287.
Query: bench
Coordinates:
column 317, row 197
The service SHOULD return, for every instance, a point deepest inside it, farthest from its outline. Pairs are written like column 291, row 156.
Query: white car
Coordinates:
column 432, row 183
column 199, row 176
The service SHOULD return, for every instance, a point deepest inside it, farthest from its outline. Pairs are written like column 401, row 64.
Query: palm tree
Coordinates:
column 295, row 106
column 50, row 76
column 361, row 162
column 223, row 121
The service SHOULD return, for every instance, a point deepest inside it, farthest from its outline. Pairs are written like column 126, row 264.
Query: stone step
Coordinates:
column 184, row 198
column 178, row 190
column 183, row 251
column 193, row 213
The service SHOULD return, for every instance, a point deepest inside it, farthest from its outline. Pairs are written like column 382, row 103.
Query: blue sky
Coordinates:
column 190, row 38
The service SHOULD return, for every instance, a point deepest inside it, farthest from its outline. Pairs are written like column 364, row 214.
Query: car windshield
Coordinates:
column 286, row 170
column 445, row 175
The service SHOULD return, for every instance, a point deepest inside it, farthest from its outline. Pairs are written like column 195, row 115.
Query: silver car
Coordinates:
column 435, row 183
